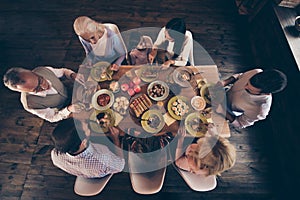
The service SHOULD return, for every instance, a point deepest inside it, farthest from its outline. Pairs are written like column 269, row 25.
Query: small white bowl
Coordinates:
column 198, row 103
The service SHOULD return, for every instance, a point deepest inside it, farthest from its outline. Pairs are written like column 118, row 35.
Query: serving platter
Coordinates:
column 121, row 105
column 212, row 92
column 205, row 92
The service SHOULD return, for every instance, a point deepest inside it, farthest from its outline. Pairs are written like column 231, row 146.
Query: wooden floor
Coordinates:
column 36, row 32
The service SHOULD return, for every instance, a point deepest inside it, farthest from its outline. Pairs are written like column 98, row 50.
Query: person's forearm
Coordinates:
column 179, row 63
column 119, row 60
column 51, row 114
column 230, row 117
column 179, row 148
column 228, row 81
column 118, row 149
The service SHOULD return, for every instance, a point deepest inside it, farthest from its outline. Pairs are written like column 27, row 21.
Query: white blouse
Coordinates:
column 186, row 53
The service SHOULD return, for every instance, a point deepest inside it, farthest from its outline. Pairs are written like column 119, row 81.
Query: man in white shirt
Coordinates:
column 251, row 95
column 42, row 92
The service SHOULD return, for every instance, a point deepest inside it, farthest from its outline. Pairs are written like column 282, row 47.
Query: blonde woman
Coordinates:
column 104, row 41
column 211, row 155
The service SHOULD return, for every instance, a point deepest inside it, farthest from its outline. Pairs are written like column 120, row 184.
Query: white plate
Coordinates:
column 177, row 76
column 151, row 113
column 198, row 103
column 152, row 73
column 101, row 71
column 93, row 121
column 84, row 95
column 202, row 124
column 95, row 102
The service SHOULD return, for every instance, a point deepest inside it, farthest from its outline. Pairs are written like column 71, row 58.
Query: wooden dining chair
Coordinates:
column 90, row 186
column 149, row 182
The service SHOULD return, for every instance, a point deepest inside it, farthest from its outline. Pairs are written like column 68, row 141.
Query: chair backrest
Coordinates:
column 90, row 186
column 150, row 181
column 199, row 183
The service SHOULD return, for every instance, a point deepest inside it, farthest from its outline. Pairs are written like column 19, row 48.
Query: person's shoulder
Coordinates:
column 55, row 154
column 111, row 28
column 256, row 70
column 42, row 68
column 252, row 72
column 97, row 147
column 188, row 34
column 110, row 25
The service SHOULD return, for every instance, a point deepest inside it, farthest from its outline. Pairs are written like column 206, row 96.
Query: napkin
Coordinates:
column 118, row 118
column 168, row 119
column 209, row 120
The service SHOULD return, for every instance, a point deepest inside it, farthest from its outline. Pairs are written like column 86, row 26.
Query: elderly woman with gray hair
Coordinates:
column 101, row 42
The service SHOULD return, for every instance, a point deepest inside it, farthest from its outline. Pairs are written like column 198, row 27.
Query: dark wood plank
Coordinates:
column 37, row 32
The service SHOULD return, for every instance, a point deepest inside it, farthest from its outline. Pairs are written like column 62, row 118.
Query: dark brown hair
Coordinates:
column 65, row 136
column 269, row 81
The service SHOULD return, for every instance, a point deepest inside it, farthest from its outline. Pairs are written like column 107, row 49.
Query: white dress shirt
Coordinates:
column 52, row 114
column 252, row 107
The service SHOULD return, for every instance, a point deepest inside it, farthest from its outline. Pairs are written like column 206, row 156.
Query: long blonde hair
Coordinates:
column 215, row 154
column 84, row 24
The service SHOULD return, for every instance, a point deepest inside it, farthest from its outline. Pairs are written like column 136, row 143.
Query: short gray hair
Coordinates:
column 12, row 77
